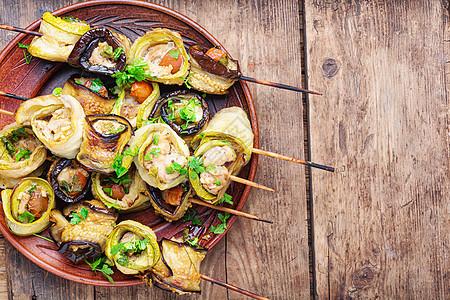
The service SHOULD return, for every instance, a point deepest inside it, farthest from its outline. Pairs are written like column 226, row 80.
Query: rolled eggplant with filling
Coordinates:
column 21, row 152
column 69, row 180
column 222, row 149
column 59, row 36
column 102, row 51
column 92, row 93
column 132, row 247
column 104, row 137
column 178, row 270
column 57, row 121
column 126, row 193
column 161, row 156
column 82, row 229
column 134, row 102
column 172, row 203
column 186, row 112
column 212, row 71
column 27, row 207
column 165, row 54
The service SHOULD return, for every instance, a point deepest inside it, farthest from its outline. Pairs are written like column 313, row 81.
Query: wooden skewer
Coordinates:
column 12, row 28
column 230, row 211
column 232, row 287
column 292, row 159
column 5, row 112
column 278, row 85
column 250, row 183
column 13, row 96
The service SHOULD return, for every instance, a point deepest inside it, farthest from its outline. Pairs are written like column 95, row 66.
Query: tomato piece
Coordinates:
column 216, row 54
column 38, row 204
column 168, row 60
column 173, row 195
column 88, row 84
column 103, row 91
column 82, row 180
column 140, row 90
column 117, row 191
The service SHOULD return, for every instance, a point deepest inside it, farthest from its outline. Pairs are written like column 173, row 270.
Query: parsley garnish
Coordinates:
column 42, row 237
column 109, row 205
column 78, row 217
column 117, row 52
column 222, row 226
column 187, row 113
column 16, row 134
column 26, row 215
column 176, row 167
column 23, row 154
column 76, row 186
column 23, row 46
column 117, row 163
column 174, row 53
column 32, row 190
column 217, row 182
column 116, row 130
column 101, row 266
column 137, row 71
column 27, row 56
column 135, row 246
column 188, row 217
column 186, row 80
column 57, row 91
column 156, row 139
column 193, row 242
column 120, row 181
column 225, row 199
column 108, row 191
column 155, row 151
column 96, row 85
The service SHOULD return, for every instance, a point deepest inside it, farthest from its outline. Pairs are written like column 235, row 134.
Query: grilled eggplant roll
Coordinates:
column 27, row 207
column 102, row 51
column 126, row 193
column 60, row 34
column 172, row 203
column 162, row 155
column 165, row 54
column 132, row 247
column 85, row 235
column 186, row 112
column 92, row 92
column 179, row 268
column 69, row 180
column 21, row 152
column 105, row 137
column 212, row 71
column 57, row 122
column 223, row 148
column 133, row 103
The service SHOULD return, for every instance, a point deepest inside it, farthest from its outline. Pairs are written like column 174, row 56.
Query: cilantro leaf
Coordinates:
column 225, row 199
column 26, row 215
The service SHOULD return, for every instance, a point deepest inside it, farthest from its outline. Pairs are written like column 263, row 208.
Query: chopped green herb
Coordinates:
column 190, row 216
column 26, row 215
column 101, row 266
column 78, row 82
column 135, row 246
column 117, row 165
column 42, row 237
column 204, row 95
column 57, row 91
column 78, row 217
column 137, row 71
column 217, row 182
column 109, row 205
column 23, row 46
column 18, row 133
column 174, row 53
column 225, row 199
column 201, row 135
column 32, row 190
column 107, row 51
column 28, row 57
column 156, row 139
column 9, row 146
column 96, row 85
column 117, row 130
column 222, row 226
column 193, row 242
column 176, row 167
column 186, row 80
column 130, row 152
column 25, row 154
column 72, row 20
column 196, row 163
column 117, row 52
column 120, row 181
column 187, row 113
column 108, row 191
column 210, row 168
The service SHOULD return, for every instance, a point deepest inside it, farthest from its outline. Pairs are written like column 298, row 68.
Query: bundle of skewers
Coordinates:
column 108, row 143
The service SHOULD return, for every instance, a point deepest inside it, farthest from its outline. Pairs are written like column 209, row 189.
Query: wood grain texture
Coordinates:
column 381, row 222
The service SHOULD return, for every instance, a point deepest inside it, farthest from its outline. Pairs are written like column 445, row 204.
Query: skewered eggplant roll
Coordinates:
column 27, row 207
column 126, row 193
column 179, row 268
column 165, row 54
column 60, row 34
column 57, row 121
column 212, row 71
column 132, row 247
column 69, row 180
column 172, row 203
column 21, row 152
column 85, row 235
column 186, row 112
column 136, row 102
column 102, row 51
column 105, row 137
column 222, row 149
column 162, row 155
column 92, row 92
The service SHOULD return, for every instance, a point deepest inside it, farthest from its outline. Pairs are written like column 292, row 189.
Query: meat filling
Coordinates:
column 58, row 127
column 216, row 179
column 98, row 58
column 154, row 57
column 34, row 201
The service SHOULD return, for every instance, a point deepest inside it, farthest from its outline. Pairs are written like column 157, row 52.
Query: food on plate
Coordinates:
column 27, row 207
column 59, row 36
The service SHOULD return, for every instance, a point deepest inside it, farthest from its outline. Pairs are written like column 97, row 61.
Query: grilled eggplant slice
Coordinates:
column 179, row 268
column 27, row 207
column 209, row 75
column 57, row 122
column 105, row 137
column 132, row 247
column 59, row 37
column 102, row 51
column 126, row 193
column 84, row 238
column 92, row 92
column 21, row 152
column 165, row 54
column 161, row 156
column 69, row 180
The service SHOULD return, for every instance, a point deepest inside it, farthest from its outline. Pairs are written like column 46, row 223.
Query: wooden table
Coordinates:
column 377, row 227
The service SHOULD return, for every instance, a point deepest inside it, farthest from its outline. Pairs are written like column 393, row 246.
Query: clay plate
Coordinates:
column 132, row 18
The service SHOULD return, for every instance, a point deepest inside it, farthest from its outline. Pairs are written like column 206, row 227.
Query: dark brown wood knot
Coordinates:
column 330, row 67
column 363, row 277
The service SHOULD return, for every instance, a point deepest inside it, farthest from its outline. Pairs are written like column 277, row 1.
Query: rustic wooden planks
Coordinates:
column 381, row 222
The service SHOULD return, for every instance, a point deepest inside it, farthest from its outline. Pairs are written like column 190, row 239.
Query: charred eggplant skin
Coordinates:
column 53, row 173
column 85, row 46
column 169, row 212
column 210, row 65
column 161, row 107
column 90, row 253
